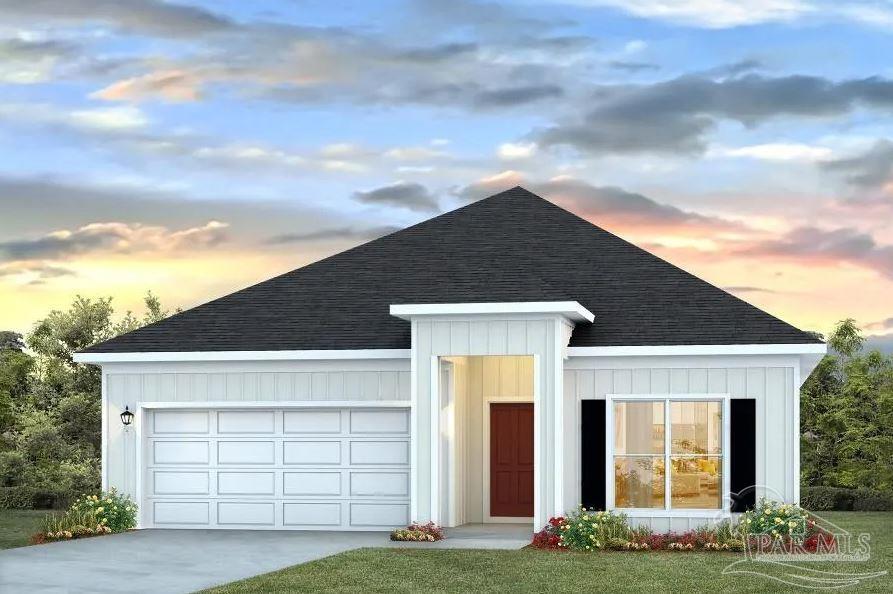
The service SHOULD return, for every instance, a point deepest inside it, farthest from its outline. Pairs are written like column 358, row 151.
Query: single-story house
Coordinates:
column 503, row 362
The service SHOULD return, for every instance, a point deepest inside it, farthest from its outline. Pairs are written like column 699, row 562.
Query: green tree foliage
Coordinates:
column 846, row 416
column 50, row 413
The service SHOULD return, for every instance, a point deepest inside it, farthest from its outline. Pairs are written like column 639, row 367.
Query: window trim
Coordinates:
column 610, row 503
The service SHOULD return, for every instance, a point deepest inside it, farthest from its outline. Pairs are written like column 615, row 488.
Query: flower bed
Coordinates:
column 89, row 515
column 769, row 527
column 429, row 532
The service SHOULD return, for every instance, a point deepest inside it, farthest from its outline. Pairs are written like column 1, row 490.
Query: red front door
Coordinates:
column 511, row 460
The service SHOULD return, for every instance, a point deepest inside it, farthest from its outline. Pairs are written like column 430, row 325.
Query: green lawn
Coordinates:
column 416, row 570
column 17, row 526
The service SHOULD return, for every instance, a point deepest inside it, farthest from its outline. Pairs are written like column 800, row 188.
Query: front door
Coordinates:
column 511, row 460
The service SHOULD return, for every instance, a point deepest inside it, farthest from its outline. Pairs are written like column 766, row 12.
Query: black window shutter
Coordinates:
column 592, row 454
column 742, row 458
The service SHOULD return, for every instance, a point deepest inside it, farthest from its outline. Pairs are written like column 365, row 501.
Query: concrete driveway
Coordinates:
column 167, row 560
column 171, row 561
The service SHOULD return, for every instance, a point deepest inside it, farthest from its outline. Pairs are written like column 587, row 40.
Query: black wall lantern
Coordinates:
column 127, row 416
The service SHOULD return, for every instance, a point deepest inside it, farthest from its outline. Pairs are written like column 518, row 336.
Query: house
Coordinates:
column 503, row 362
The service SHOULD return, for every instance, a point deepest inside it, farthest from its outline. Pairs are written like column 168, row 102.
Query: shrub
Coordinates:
column 415, row 532
column 843, row 499
column 777, row 520
column 116, row 511
column 588, row 530
column 18, row 497
column 71, row 524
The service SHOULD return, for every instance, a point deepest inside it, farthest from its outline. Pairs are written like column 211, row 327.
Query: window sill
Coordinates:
column 673, row 513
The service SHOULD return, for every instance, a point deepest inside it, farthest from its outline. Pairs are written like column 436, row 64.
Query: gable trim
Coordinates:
column 698, row 349
column 569, row 309
column 165, row 357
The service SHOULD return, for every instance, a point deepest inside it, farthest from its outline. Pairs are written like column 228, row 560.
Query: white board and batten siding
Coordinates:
column 773, row 382
column 295, row 468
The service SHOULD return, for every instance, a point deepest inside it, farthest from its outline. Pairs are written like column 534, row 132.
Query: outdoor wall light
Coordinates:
column 127, row 416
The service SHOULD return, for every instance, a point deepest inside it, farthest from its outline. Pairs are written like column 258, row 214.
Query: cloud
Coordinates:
column 510, row 150
column 407, row 195
column 881, row 325
column 747, row 289
column 170, row 85
column 716, row 14
column 607, row 206
column 837, row 246
column 112, row 237
column 674, row 116
column 33, row 273
column 632, row 67
column 116, row 120
column 29, row 61
column 775, row 151
column 349, row 233
column 153, row 17
column 871, row 169
column 518, row 95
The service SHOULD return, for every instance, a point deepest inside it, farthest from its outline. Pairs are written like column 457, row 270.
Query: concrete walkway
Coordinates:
column 188, row 560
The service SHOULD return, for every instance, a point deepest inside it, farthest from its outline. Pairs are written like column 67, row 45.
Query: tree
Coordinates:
column 847, row 416
column 50, row 414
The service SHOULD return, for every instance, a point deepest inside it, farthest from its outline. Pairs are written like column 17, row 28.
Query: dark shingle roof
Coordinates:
column 513, row 246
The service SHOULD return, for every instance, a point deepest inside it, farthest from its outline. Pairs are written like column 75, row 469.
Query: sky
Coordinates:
column 193, row 148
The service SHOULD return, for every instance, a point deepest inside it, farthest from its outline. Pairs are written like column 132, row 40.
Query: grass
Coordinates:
column 17, row 526
column 415, row 570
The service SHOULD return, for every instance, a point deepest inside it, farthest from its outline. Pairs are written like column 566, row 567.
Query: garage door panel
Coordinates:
column 181, row 452
column 240, row 421
column 315, row 484
column 231, row 513
column 179, row 512
column 174, row 482
column 312, row 514
column 379, row 514
column 381, row 484
column 379, row 421
column 379, row 452
column 246, row 452
column 312, row 421
column 311, row 452
column 246, row 483
column 257, row 468
column 180, row 421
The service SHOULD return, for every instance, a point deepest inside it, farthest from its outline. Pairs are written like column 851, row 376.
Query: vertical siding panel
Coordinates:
column 440, row 338
column 405, row 385
column 200, row 386
column 756, row 382
column 388, row 385
column 459, row 338
column 319, row 386
column 370, row 385
column 184, row 387
column 150, row 387
column 697, row 381
column 586, row 387
column 679, row 381
column 623, row 381
column 217, row 387
column 641, row 381
column 336, row 385
column 536, row 336
column 756, row 388
column 776, row 431
column 168, row 387
column 490, row 377
column 266, row 387
column 352, row 385
column 477, row 339
column 302, row 386
column 660, row 381
column 716, row 381
column 250, row 386
column 497, row 337
column 517, row 338
column 233, row 386
column 791, row 430
column 285, row 386
column 737, row 382
column 604, row 383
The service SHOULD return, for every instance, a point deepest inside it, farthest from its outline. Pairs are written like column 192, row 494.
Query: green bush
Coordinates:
column 775, row 519
column 842, row 499
column 111, row 509
column 72, row 524
column 18, row 497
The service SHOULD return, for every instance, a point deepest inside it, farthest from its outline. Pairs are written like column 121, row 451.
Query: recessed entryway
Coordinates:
column 486, row 458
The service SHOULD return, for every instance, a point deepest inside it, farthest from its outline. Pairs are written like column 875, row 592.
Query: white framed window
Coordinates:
column 667, row 453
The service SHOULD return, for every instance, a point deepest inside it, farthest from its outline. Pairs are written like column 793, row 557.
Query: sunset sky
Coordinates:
column 193, row 149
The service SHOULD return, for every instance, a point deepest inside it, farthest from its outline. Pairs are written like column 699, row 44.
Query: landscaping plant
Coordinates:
column 116, row 511
column 415, row 532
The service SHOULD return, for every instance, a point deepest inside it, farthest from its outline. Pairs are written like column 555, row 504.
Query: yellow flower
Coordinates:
column 585, row 517
column 99, row 510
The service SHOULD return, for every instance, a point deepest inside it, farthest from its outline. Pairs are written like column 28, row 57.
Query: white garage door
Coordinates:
column 321, row 469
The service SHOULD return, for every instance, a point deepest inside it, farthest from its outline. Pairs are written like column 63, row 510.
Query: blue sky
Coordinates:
column 193, row 148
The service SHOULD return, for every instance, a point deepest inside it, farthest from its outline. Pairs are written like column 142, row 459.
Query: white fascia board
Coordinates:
column 319, row 355
column 698, row 349
column 569, row 309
